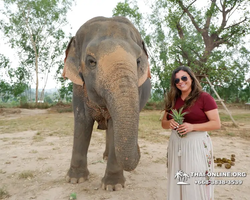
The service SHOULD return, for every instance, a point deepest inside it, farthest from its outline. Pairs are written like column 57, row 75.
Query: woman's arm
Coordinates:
column 213, row 123
column 168, row 124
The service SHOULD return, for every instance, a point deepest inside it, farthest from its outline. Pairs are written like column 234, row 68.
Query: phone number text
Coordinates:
column 219, row 182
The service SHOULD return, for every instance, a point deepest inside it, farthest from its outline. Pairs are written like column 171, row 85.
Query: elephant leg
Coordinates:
column 83, row 126
column 144, row 93
column 113, row 178
column 106, row 152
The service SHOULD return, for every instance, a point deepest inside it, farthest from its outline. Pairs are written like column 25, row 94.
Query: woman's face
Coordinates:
column 183, row 81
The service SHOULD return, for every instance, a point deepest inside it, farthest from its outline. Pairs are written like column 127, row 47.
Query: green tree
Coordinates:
column 5, row 87
column 207, row 36
column 66, row 92
column 35, row 29
column 13, row 82
column 47, row 99
column 66, row 89
column 130, row 10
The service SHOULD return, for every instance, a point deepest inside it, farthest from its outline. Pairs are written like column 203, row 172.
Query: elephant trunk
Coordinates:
column 124, row 110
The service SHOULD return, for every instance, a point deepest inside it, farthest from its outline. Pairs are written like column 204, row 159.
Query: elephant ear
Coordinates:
column 146, row 52
column 144, row 72
column 71, row 63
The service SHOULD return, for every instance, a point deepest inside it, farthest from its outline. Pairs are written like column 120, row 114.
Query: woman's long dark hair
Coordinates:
column 175, row 93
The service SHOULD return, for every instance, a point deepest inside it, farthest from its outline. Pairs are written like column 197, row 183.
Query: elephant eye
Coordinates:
column 138, row 61
column 91, row 62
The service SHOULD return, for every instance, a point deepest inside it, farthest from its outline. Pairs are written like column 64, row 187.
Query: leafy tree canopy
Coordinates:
column 208, row 36
column 12, row 83
column 34, row 28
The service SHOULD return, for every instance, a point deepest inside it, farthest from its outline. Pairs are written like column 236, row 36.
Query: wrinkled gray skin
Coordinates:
column 112, row 60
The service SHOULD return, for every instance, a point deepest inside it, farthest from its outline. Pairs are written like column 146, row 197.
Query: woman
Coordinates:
column 192, row 153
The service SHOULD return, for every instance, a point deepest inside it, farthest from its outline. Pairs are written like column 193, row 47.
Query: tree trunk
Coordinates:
column 36, row 78
column 42, row 93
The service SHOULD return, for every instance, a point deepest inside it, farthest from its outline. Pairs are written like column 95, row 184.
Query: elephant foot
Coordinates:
column 76, row 175
column 116, row 187
column 113, row 182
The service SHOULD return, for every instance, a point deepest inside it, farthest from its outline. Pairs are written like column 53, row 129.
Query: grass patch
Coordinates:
column 42, row 158
column 154, row 106
column 16, row 142
column 160, row 160
column 53, row 124
column 35, row 105
column 63, row 110
column 26, row 175
column 38, row 138
column 62, row 107
column 38, row 133
column 230, row 134
column 62, row 124
column 12, row 104
column 150, row 126
column 5, row 139
column 2, row 172
column 240, row 117
column 4, row 193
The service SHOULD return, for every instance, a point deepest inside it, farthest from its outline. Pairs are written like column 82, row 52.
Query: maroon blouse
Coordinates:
column 196, row 113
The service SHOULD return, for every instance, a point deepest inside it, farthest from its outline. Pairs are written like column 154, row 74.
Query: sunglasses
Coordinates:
column 183, row 78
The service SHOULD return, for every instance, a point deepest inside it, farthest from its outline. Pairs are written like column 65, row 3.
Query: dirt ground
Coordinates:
column 33, row 168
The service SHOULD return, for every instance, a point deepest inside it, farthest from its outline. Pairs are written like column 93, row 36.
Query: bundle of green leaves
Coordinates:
column 178, row 116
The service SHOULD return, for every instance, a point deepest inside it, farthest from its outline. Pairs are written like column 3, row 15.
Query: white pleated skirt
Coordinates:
column 193, row 157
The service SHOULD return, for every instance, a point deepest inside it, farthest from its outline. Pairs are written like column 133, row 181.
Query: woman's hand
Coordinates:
column 185, row 128
column 173, row 124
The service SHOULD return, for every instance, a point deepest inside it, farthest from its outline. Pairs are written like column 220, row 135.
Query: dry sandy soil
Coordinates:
column 33, row 168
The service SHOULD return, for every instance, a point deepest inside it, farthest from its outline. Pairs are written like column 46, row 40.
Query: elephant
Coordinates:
column 107, row 61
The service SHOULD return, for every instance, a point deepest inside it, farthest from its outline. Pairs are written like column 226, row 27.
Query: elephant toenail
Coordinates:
column 118, row 187
column 109, row 188
column 73, row 180
column 81, row 180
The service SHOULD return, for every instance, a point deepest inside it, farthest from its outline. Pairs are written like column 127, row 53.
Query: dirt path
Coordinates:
column 36, row 169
